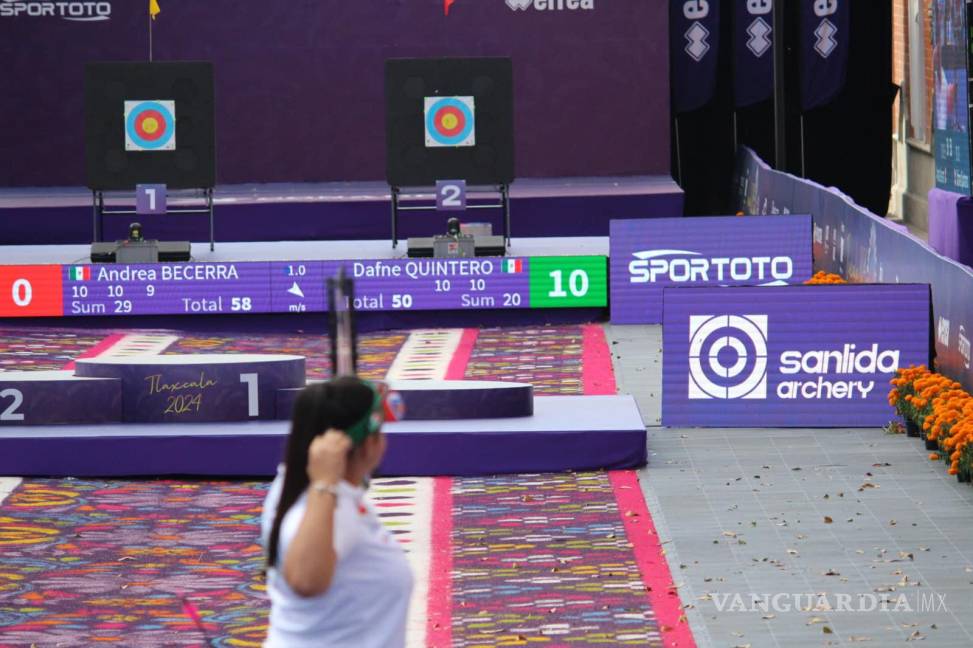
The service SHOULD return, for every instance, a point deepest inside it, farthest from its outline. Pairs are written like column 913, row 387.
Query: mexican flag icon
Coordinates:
column 79, row 273
column 513, row 265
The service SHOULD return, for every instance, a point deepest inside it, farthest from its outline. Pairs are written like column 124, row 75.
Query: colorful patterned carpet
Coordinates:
column 545, row 559
column 520, row 560
column 28, row 349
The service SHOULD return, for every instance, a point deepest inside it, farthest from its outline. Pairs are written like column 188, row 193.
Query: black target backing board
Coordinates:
column 410, row 160
column 118, row 160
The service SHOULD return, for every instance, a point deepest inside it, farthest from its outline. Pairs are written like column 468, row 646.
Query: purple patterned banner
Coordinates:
column 753, row 46
column 694, row 42
column 791, row 356
column 825, row 40
column 865, row 248
column 649, row 255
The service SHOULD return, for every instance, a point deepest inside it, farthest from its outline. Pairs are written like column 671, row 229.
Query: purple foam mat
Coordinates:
column 565, row 433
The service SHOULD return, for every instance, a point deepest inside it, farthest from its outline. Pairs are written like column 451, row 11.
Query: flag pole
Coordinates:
column 678, row 154
column 150, row 37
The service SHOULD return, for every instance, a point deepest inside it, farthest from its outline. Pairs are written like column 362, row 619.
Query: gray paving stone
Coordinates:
column 702, row 482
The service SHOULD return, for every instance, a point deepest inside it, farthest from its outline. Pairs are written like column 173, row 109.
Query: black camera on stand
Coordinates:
column 454, row 243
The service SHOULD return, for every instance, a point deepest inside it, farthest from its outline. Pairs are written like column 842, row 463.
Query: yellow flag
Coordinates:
column 154, row 8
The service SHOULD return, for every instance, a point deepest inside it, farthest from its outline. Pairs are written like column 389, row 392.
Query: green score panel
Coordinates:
column 568, row 282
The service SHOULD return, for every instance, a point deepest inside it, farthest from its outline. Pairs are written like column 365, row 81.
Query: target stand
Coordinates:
column 200, row 201
column 417, row 199
column 149, row 123
column 450, row 119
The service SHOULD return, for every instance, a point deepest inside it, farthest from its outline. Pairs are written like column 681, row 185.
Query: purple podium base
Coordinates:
column 565, row 433
column 198, row 387
column 57, row 397
column 580, row 206
column 445, row 400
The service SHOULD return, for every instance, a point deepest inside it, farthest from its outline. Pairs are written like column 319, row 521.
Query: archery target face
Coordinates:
column 150, row 125
column 450, row 121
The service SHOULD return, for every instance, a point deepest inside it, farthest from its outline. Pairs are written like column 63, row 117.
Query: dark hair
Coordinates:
column 337, row 404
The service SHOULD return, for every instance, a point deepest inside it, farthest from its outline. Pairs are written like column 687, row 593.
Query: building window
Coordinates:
column 918, row 116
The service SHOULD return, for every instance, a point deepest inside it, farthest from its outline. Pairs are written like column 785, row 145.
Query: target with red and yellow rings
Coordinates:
column 150, row 125
column 450, row 121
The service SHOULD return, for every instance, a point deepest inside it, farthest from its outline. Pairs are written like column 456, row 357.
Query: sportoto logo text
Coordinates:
column 78, row 11
column 550, row 5
column 725, row 343
column 730, row 344
column 681, row 266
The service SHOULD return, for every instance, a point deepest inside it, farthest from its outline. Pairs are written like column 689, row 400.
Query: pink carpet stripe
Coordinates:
column 98, row 349
column 461, row 358
column 596, row 359
column 439, row 628
column 662, row 592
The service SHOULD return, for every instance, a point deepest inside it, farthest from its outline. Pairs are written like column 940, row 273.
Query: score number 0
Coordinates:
column 22, row 293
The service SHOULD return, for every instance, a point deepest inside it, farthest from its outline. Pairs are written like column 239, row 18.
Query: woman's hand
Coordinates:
column 328, row 456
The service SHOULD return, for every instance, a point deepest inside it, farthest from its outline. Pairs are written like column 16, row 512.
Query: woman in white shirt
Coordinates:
column 336, row 577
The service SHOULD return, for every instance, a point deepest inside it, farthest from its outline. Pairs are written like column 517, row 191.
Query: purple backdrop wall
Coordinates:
column 299, row 85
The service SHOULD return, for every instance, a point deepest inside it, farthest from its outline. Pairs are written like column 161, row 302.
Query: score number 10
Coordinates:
column 568, row 282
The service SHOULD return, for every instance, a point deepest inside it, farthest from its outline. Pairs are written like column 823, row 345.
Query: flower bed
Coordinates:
column 943, row 412
column 824, row 278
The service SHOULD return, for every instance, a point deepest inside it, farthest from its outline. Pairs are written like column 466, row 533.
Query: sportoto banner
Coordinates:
column 792, row 356
column 863, row 247
column 648, row 255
